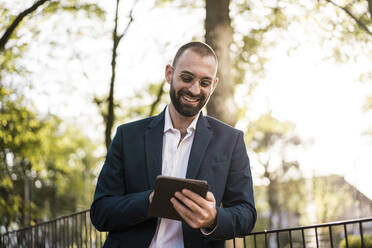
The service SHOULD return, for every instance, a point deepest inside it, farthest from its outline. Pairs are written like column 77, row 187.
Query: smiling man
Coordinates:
column 179, row 142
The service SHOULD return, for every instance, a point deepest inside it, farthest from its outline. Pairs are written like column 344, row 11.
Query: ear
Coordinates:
column 168, row 73
column 214, row 84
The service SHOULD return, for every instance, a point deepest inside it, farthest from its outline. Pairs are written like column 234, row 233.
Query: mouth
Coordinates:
column 190, row 99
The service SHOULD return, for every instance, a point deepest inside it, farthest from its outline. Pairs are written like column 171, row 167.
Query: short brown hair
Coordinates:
column 199, row 47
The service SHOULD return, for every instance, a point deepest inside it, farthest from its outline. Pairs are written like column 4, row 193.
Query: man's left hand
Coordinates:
column 200, row 212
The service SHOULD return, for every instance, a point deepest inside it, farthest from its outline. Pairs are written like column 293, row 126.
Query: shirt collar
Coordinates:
column 168, row 122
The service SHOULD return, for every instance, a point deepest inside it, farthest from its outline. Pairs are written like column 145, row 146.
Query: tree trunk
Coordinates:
column 219, row 35
column 116, row 37
column 110, row 108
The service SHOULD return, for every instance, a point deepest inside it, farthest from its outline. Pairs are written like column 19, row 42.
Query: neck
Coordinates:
column 179, row 121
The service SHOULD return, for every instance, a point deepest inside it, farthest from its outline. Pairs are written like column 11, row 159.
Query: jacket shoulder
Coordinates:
column 216, row 124
column 135, row 125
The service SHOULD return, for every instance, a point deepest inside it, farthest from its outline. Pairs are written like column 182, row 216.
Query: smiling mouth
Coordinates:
column 189, row 99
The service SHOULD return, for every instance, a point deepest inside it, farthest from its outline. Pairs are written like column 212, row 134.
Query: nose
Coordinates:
column 194, row 88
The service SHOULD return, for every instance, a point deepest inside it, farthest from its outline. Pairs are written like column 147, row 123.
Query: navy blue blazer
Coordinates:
column 134, row 160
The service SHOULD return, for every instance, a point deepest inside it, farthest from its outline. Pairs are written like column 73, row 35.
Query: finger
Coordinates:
column 210, row 197
column 196, row 198
column 189, row 203
column 185, row 214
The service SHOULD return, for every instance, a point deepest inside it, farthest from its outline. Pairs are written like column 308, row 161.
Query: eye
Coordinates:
column 186, row 78
column 205, row 83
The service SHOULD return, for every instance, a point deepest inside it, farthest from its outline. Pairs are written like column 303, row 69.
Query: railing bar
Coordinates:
column 90, row 234
column 290, row 239
column 330, row 236
column 60, row 231
column 361, row 233
column 31, row 237
column 81, row 231
column 316, row 237
column 234, row 242
column 76, row 230
column 277, row 239
column 346, row 238
column 67, row 236
column 271, row 231
column 86, row 230
column 47, row 236
column 63, row 233
column 50, row 237
column 303, row 238
column 95, row 237
column 255, row 241
column 48, row 230
column 100, row 239
column 245, row 245
column 336, row 223
column 55, row 219
column 43, row 234
column 70, row 229
column 37, row 234
column 266, row 240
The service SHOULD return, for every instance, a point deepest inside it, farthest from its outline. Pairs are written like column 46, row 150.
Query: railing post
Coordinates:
column 361, row 234
column 303, row 238
column 331, row 236
column 277, row 239
column 346, row 240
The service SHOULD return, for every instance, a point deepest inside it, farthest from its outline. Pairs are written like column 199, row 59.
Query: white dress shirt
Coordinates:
column 174, row 163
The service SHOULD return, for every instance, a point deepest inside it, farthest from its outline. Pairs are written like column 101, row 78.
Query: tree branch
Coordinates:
column 129, row 23
column 347, row 11
column 116, row 40
column 158, row 98
column 4, row 39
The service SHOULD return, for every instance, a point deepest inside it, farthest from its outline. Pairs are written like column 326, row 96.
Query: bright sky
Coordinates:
column 323, row 99
column 325, row 102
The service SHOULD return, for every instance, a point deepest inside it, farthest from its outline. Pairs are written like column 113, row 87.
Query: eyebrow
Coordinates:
column 190, row 73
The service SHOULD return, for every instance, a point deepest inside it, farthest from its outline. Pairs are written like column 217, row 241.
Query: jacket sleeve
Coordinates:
column 238, row 215
column 112, row 208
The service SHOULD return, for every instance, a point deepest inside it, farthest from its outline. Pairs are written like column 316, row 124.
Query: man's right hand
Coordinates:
column 151, row 196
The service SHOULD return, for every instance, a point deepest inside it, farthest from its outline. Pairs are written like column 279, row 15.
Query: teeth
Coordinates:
column 190, row 99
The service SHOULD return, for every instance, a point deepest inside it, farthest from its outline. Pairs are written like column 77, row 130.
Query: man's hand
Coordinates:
column 150, row 197
column 201, row 213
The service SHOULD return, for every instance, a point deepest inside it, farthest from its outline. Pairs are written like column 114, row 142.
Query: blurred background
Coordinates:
column 295, row 76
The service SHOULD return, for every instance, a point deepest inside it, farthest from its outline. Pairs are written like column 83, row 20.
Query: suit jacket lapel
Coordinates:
column 202, row 138
column 153, row 147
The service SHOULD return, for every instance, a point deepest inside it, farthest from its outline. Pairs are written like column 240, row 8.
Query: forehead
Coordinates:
column 202, row 66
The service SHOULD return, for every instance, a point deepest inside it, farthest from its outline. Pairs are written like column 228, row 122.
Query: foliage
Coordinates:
column 153, row 96
column 269, row 139
column 12, row 58
column 47, row 167
column 354, row 241
column 331, row 197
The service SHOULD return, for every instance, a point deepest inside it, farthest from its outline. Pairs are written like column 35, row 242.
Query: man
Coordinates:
column 179, row 142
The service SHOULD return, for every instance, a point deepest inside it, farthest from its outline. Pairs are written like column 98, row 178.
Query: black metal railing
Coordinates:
column 77, row 231
column 351, row 233
column 73, row 230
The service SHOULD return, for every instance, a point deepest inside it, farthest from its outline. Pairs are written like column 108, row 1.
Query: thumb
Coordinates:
column 210, row 197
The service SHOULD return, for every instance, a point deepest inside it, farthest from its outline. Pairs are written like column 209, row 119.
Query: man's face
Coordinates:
column 192, row 82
